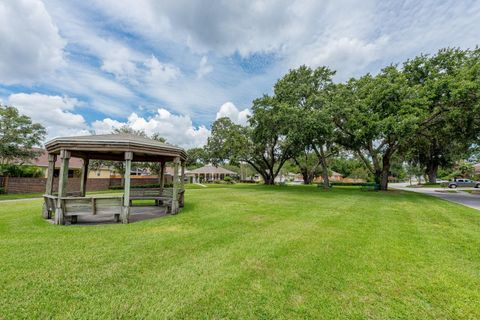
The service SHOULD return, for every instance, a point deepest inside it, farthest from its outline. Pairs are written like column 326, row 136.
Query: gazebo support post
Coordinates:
column 162, row 176
column 162, row 180
column 126, row 192
column 182, row 185
column 51, row 170
column 62, row 185
column 83, row 180
column 175, row 186
column 182, row 176
column 49, row 186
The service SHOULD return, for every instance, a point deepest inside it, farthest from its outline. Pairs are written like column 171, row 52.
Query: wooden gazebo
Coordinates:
column 117, row 147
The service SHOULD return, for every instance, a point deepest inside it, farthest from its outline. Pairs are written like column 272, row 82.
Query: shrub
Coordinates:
column 248, row 181
column 150, row 185
column 228, row 179
column 354, row 184
column 14, row 170
column 351, row 184
column 2, row 191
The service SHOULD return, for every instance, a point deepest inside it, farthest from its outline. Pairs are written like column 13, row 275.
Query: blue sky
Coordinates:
column 173, row 67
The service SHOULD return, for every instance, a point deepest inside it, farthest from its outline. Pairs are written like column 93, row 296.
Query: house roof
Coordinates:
column 42, row 160
column 334, row 173
column 113, row 146
column 209, row 169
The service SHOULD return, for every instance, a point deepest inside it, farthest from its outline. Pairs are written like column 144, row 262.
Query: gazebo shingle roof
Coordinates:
column 145, row 148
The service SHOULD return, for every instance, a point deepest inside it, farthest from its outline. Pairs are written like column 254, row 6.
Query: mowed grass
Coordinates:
column 250, row 252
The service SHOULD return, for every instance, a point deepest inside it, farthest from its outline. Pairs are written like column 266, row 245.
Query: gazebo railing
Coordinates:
column 162, row 196
column 70, row 194
column 168, row 192
column 72, row 207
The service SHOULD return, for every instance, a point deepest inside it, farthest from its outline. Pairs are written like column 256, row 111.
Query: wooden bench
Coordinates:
column 168, row 192
column 107, row 206
column 49, row 205
column 161, row 198
column 70, row 194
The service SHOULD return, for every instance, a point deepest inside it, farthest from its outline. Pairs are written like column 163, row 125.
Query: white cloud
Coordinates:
column 159, row 73
column 192, row 56
column 120, row 63
column 204, row 68
column 228, row 109
column 30, row 44
column 177, row 129
column 350, row 56
column 60, row 118
column 54, row 112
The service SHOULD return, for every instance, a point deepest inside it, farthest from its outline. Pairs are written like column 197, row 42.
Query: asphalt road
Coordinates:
column 460, row 197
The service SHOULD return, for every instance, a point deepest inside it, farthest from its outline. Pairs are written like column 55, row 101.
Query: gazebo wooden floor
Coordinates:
column 137, row 213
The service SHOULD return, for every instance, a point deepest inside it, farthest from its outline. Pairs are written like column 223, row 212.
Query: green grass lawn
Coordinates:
column 250, row 252
column 15, row 196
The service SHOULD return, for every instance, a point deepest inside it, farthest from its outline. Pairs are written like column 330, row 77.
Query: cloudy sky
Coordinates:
column 173, row 67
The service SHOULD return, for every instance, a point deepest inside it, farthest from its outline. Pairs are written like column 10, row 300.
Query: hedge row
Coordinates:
column 353, row 184
column 142, row 186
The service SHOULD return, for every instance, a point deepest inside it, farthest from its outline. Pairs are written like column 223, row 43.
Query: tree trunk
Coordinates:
column 384, row 180
column 307, row 177
column 323, row 164
column 384, row 173
column 377, row 176
column 325, row 178
column 269, row 180
column 431, row 172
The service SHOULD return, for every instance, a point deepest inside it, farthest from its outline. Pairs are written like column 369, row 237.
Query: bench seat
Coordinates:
column 73, row 207
column 164, row 197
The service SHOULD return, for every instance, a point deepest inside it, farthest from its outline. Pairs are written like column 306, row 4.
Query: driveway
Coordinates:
column 460, row 197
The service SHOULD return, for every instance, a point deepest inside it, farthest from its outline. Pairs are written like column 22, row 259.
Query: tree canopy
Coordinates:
column 306, row 93
column 424, row 112
column 18, row 136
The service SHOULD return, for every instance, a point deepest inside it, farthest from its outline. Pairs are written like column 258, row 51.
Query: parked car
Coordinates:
column 464, row 183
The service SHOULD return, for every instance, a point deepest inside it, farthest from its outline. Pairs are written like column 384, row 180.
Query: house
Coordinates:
column 74, row 166
column 477, row 168
column 208, row 173
column 334, row 177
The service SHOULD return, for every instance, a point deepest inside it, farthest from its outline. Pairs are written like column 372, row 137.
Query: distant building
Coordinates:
column 208, row 173
column 75, row 164
column 334, row 177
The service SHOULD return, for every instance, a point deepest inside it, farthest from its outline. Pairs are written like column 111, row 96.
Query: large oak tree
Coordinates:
column 305, row 92
column 375, row 116
column 262, row 144
column 449, row 85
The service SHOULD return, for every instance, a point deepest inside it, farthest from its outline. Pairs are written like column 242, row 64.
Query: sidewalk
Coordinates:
column 460, row 197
